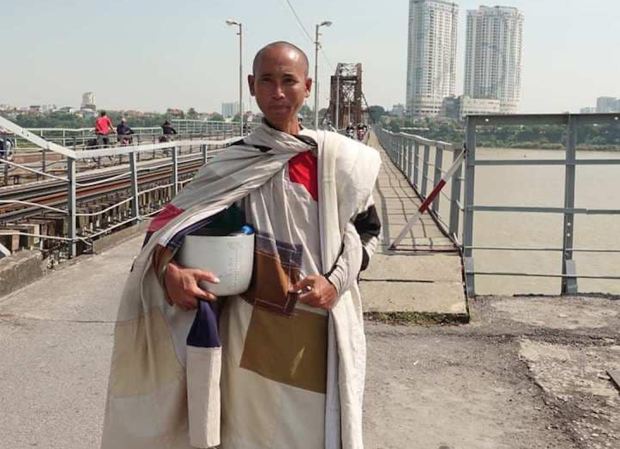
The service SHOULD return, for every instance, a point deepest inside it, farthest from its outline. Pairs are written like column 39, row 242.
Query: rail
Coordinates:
column 140, row 161
column 404, row 150
column 31, row 155
column 412, row 155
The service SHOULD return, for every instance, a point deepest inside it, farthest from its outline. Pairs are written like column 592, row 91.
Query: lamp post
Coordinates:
column 326, row 23
column 240, row 34
column 337, row 98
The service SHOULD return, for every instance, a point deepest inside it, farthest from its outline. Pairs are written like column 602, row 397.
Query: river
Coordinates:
column 598, row 187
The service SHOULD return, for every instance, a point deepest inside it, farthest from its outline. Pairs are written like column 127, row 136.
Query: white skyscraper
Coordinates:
column 88, row 101
column 494, row 55
column 230, row 109
column 431, row 55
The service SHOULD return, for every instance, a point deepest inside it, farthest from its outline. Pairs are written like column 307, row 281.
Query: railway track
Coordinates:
column 53, row 193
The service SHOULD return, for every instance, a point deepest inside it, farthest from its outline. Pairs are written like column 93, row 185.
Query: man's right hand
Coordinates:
column 182, row 287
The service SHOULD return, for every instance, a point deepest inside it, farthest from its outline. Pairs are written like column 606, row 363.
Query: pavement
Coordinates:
column 423, row 277
column 526, row 372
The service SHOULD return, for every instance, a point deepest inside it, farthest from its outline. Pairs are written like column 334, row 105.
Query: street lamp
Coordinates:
column 240, row 34
column 326, row 23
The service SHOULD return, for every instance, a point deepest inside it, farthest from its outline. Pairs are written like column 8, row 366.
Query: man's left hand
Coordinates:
column 316, row 291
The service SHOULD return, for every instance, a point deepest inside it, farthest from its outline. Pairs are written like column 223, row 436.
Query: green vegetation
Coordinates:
column 548, row 137
column 64, row 120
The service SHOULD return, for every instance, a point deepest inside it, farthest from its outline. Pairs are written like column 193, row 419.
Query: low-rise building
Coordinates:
column 460, row 107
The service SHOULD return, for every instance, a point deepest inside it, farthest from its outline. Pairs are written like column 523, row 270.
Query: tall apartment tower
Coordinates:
column 88, row 101
column 494, row 56
column 431, row 55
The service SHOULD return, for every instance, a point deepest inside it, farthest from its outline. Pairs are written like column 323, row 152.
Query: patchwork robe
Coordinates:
column 152, row 365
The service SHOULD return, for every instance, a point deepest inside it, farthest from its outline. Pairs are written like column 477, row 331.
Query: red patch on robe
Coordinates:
column 303, row 169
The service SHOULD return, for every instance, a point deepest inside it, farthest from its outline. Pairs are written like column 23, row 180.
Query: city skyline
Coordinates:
column 431, row 56
column 494, row 56
column 189, row 58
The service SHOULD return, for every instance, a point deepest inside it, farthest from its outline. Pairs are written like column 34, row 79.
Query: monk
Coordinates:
column 285, row 369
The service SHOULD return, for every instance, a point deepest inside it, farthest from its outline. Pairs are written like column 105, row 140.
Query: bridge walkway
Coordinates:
column 424, row 275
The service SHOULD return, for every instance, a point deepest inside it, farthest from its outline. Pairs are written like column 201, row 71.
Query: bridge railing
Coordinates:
column 424, row 162
column 28, row 156
column 412, row 155
column 156, row 170
column 568, row 274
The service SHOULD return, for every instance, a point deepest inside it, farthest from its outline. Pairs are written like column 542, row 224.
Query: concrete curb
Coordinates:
column 25, row 267
column 20, row 269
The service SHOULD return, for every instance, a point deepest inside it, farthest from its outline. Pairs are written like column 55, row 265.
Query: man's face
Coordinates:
column 280, row 85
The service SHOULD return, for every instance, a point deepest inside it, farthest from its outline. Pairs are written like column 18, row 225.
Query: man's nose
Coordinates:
column 278, row 92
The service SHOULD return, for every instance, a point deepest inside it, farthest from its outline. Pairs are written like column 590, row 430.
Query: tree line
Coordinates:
column 592, row 137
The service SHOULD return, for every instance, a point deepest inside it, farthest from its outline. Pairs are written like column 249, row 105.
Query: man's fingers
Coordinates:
column 199, row 293
column 310, row 298
column 202, row 275
column 306, row 282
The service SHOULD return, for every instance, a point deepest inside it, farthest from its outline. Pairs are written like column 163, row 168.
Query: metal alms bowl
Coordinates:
column 230, row 258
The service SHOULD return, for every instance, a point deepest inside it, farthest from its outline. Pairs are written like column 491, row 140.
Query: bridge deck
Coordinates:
column 424, row 275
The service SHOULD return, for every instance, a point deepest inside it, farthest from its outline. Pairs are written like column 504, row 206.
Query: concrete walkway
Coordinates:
column 526, row 373
column 421, row 279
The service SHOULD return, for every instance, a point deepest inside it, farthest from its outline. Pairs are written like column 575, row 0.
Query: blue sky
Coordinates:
column 154, row 54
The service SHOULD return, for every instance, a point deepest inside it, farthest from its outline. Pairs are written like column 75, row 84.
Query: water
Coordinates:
column 598, row 187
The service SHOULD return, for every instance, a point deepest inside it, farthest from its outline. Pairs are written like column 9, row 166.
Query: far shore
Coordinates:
column 551, row 147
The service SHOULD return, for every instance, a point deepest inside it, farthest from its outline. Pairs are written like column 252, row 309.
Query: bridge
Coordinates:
column 85, row 211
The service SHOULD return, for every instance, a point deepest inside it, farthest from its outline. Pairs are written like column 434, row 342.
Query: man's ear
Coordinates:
column 308, row 86
column 251, row 84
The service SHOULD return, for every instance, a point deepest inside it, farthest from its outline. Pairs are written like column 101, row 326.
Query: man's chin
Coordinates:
column 279, row 118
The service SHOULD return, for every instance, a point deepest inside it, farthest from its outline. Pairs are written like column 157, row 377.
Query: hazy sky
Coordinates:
column 154, row 54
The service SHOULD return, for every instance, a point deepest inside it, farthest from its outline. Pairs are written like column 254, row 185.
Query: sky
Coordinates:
column 153, row 54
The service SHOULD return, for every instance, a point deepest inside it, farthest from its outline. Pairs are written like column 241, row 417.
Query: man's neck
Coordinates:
column 290, row 128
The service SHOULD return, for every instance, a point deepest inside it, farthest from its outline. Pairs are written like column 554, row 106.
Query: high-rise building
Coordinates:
column 607, row 104
column 587, row 110
column 88, row 101
column 431, row 55
column 230, row 109
column 494, row 55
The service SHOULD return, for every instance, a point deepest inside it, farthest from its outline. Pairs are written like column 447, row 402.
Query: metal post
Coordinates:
column 427, row 151
column 403, row 153
column 468, row 220
column 71, row 207
column 569, row 285
column 316, row 79
column 6, row 173
column 337, row 99
column 410, row 167
column 416, row 158
column 135, row 204
column 406, row 158
column 175, row 171
column 204, row 154
column 43, row 160
column 438, row 173
column 241, row 78
column 455, row 197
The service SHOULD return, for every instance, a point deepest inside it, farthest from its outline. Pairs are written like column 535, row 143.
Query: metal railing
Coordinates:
column 572, row 122
column 28, row 157
column 404, row 150
column 422, row 162
column 158, row 156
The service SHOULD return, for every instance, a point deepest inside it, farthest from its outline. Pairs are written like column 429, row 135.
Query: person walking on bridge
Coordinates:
column 103, row 128
column 124, row 133
column 168, row 131
column 291, row 363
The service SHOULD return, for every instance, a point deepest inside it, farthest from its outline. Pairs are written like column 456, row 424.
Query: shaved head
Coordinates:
column 278, row 46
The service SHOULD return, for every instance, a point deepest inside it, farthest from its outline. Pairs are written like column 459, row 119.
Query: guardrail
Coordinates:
column 155, row 157
column 29, row 157
column 422, row 162
column 404, row 150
